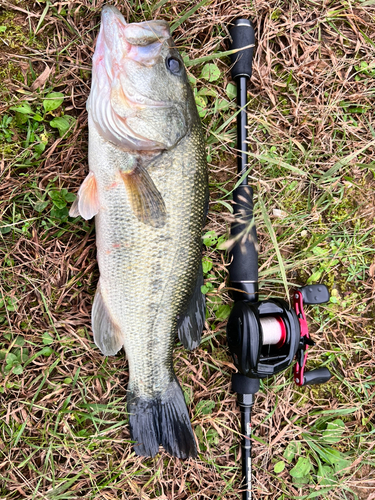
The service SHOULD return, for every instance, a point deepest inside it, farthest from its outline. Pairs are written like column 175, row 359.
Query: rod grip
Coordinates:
column 245, row 387
column 242, row 34
column 244, row 253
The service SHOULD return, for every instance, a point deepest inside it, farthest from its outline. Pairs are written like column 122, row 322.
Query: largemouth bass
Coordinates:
column 148, row 191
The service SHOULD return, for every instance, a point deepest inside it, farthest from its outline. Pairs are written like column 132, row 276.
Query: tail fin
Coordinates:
column 163, row 420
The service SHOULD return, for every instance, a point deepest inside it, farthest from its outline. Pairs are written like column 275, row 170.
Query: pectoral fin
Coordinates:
column 87, row 202
column 146, row 201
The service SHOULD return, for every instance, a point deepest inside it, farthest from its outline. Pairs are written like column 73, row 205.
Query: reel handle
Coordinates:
column 318, row 376
column 242, row 35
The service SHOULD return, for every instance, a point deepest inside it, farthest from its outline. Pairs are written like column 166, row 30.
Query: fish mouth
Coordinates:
column 110, row 13
column 141, row 42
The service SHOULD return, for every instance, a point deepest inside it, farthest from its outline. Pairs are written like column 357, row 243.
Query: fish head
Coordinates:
column 140, row 97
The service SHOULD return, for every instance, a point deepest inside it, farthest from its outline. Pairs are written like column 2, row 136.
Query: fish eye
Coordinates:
column 173, row 65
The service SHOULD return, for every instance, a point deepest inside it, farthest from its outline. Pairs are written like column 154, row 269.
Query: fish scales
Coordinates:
column 160, row 265
column 148, row 190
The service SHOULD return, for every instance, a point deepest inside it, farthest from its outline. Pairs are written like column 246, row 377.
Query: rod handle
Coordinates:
column 245, row 387
column 242, row 34
column 244, row 253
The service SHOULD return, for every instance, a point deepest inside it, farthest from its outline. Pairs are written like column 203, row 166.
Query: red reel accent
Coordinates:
column 299, row 367
column 282, row 340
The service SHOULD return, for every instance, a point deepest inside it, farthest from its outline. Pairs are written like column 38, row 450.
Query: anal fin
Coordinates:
column 191, row 322
column 107, row 334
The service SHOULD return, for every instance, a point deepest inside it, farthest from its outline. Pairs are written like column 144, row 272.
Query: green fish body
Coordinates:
column 148, row 190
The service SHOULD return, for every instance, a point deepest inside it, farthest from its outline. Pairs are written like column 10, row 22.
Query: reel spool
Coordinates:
column 263, row 337
column 274, row 331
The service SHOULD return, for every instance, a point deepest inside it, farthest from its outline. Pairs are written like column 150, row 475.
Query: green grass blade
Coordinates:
column 188, row 14
column 271, row 231
column 279, row 163
column 216, row 55
column 42, row 17
column 327, row 176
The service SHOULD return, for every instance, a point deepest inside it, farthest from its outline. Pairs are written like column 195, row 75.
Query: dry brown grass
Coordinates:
column 64, row 428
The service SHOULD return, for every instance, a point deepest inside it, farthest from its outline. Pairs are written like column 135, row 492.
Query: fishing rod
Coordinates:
column 264, row 337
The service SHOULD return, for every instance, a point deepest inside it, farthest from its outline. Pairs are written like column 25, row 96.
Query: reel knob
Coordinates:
column 314, row 294
column 318, row 376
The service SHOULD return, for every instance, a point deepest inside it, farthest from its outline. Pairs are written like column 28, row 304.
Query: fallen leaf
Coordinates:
column 41, row 80
column 279, row 213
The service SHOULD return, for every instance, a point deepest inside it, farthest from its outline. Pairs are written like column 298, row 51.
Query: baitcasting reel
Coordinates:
column 264, row 337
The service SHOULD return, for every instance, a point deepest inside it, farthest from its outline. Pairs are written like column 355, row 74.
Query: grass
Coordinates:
column 64, row 432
